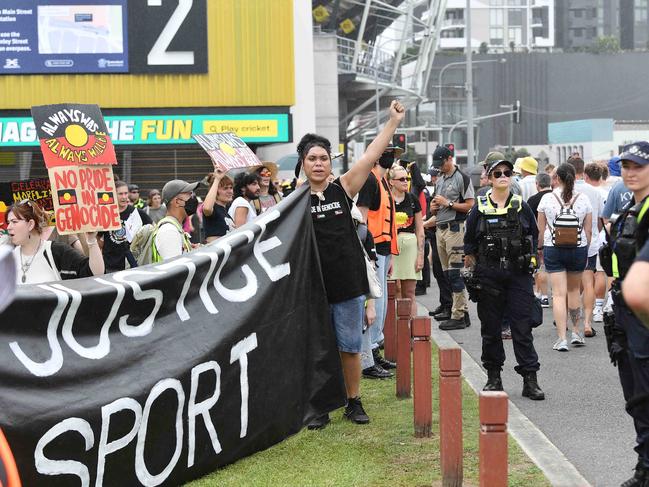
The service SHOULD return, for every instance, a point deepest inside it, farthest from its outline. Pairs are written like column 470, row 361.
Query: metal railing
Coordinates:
column 372, row 63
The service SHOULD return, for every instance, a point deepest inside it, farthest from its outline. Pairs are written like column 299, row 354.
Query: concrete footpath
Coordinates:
column 580, row 434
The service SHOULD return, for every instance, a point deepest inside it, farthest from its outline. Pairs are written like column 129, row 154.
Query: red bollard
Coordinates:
column 422, row 387
column 389, row 326
column 450, row 416
column 493, row 438
column 403, row 348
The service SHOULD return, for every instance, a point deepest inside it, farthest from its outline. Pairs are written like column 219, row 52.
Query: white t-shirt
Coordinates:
column 528, row 186
column 550, row 207
column 39, row 270
column 169, row 241
column 597, row 203
column 242, row 202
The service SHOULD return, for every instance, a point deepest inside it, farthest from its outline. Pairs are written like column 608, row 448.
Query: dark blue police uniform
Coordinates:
column 504, row 239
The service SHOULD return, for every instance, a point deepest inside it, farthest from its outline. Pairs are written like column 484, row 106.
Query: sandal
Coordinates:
column 590, row 333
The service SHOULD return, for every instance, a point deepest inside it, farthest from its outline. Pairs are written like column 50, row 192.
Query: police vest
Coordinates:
column 381, row 222
column 500, row 235
column 628, row 234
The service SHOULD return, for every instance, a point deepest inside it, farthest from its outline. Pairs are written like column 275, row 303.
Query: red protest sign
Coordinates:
column 227, row 151
column 73, row 134
column 84, row 199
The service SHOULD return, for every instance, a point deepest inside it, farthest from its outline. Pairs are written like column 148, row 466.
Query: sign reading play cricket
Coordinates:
column 79, row 156
column 227, row 151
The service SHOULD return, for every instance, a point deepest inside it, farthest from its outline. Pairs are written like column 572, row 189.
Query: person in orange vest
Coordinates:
column 376, row 204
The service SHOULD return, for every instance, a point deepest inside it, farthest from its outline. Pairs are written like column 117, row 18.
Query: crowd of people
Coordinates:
column 565, row 237
column 179, row 219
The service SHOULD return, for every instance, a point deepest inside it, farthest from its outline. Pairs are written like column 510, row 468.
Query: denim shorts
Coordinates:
column 560, row 259
column 591, row 265
column 347, row 318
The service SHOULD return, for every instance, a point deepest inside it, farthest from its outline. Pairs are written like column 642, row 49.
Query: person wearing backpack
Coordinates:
column 565, row 230
column 170, row 239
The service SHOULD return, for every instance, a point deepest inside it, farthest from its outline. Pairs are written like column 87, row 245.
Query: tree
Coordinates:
column 516, row 153
column 606, row 45
column 484, row 48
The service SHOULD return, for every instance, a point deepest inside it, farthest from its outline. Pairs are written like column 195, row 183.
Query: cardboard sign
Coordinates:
column 227, row 151
column 36, row 190
column 84, row 199
column 73, row 134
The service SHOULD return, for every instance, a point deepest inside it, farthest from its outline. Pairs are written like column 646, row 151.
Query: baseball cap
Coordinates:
column 614, row 166
column 529, row 164
column 493, row 164
column 133, row 187
column 637, row 152
column 493, row 156
column 395, row 149
column 176, row 186
column 441, row 153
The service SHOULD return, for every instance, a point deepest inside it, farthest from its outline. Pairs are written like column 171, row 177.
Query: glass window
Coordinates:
column 496, row 17
column 515, row 35
column 496, row 35
column 515, row 17
column 578, row 32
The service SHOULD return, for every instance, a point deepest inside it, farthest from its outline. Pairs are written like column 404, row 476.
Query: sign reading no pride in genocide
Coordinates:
column 79, row 156
column 227, row 151
column 163, row 373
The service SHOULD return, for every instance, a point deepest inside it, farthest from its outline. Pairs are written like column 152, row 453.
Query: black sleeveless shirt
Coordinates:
column 341, row 257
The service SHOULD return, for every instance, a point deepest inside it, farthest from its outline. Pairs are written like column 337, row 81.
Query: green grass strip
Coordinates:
column 382, row 453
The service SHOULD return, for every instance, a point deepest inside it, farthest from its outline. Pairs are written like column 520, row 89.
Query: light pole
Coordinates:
column 439, row 86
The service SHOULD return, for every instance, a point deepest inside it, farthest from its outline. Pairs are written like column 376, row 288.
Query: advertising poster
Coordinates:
column 63, row 36
column 37, row 190
column 84, row 198
column 227, row 151
column 72, row 134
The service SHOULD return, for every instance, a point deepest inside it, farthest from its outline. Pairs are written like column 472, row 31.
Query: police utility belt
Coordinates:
column 501, row 243
column 629, row 232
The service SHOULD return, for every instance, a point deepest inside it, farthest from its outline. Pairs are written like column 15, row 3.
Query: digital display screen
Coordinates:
column 63, row 36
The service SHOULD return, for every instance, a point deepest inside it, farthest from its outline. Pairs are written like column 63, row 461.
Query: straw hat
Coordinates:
column 271, row 166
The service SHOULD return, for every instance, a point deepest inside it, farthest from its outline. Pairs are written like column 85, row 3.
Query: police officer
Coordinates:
column 501, row 235
column 627, row 338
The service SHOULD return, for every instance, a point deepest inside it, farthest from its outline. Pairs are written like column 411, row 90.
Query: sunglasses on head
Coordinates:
column 498, row 174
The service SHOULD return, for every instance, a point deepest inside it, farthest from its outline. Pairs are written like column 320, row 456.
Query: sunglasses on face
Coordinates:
column 403, row 180
column 264, row 173
column 498, row 174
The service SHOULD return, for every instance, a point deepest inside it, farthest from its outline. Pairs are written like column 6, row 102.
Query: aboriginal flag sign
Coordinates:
column 227, row 151
column 160, row 374
column 73, row 134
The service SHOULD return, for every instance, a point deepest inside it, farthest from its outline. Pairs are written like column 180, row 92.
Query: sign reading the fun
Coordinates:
column 227, row 151
column 84, row 199
column 73, row 134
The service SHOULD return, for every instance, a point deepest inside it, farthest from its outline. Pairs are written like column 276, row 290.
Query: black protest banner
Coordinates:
column 159, row 374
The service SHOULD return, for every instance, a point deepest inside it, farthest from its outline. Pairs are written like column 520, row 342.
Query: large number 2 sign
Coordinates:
column 167, row 36
column 158, row 55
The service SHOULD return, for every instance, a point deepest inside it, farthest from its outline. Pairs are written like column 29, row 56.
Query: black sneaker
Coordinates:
column 354, row 411
column 382, row 361
column 420, row 291
column 376, row 372
column 437, row 310
column 319, row 422
column 443, row 315
column 453, row 324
